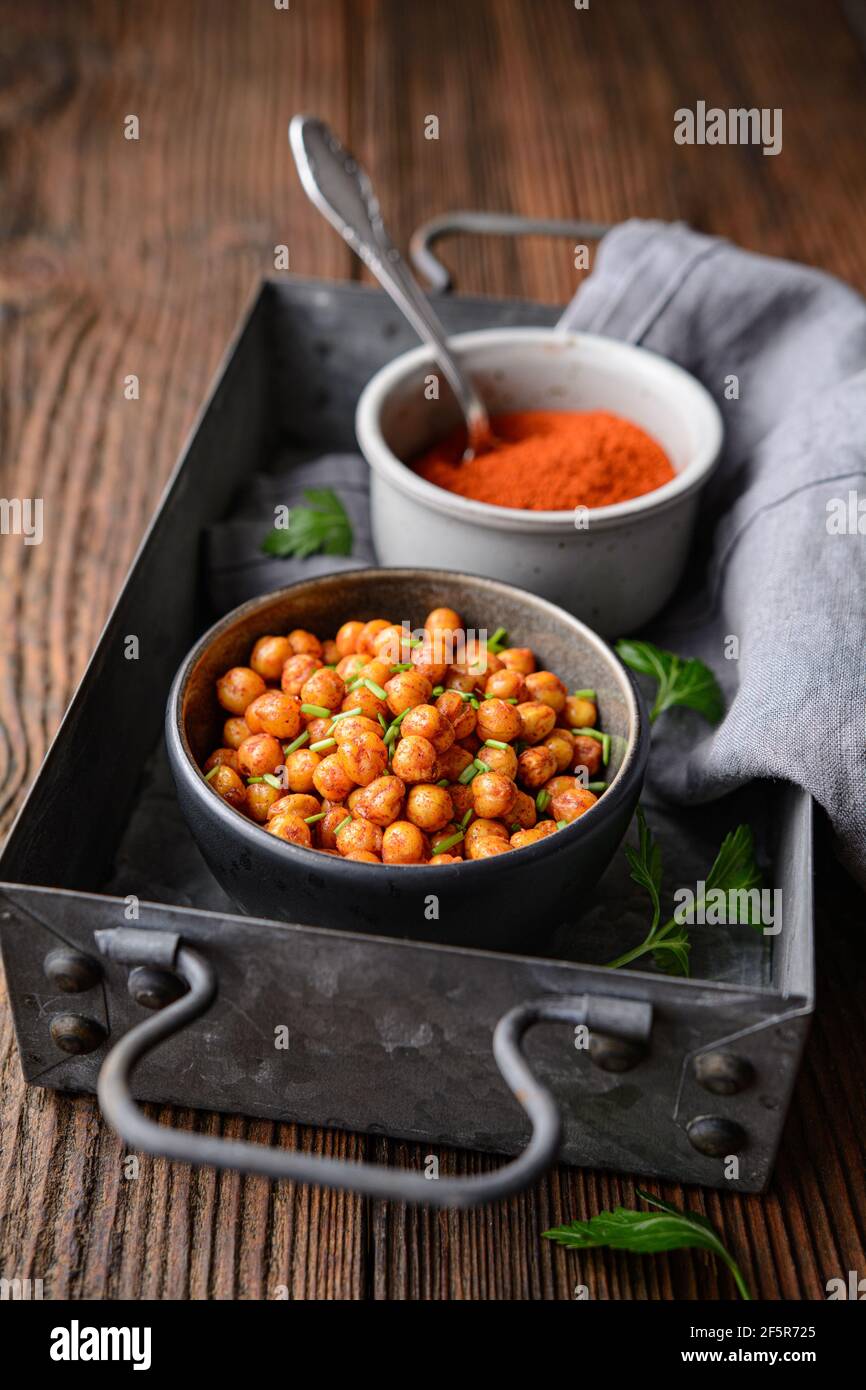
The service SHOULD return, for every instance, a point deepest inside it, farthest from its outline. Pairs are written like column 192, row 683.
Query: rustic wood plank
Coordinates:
column 122, row 257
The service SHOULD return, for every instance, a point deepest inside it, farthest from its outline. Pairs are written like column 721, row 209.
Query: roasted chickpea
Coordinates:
column 461, row 799
column 454, row 761
column 477, row 661
column 326, row 830
column 300, row 767
column 319, row 728
column 415, row 760
column 367, row 701
column 302, row 641
column 493, row 795
column 356, row 724
column 363, row 856
column 428, row 659
column 330, row 652
column 291, row 828
column 488, row 846
column 456, row 679
column 581, row 713
column 506, row 685
column 347, row 637
column 428, row 806
column 443, row 620
column 295, row 804
column 407, row 689
column 459, row 713
column 351, row 666
column 498, row 720
column 483, row 829
column 260, row 798
column 363, row 758
column 377, row 671
column 518, row 659
column 274, row 713
column 235, row 730
column 269, row 656
column 381, row 801
column 324, row 688
column 331, row 779
column 561, row 744
column 524, row 811
column 521, row 838
column 450, row 858
column 353, row 799
column 227, row 784
column 403, row 843
column 548, row 688
column 296, row 672
column 535, row 766
column 502, row 760
column 359, row 835
column 588, row 753
column 569, row 805
column 536, row 720
column 471, row 744
column 222, row 757
column 368, row 634
column 391, row 644
column 238, row 688
column 559, row 784
column 425, row 721
column 258, row 754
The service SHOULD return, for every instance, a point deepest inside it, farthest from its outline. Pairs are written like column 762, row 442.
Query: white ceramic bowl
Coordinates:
column 618, row 568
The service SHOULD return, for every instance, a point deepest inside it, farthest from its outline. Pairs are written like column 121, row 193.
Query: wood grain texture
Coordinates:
column 126, row 257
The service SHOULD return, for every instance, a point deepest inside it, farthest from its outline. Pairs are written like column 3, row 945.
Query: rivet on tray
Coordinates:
column 723, row 1073
column 152, row 988
column 614, row 1054
column 716, row 1136
column 71, row 971
column 76, row 1033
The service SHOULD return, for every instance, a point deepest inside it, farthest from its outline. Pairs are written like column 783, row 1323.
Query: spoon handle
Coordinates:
column 335, row 182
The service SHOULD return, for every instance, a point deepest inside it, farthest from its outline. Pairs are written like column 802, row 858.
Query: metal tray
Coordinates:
column 685, row 1079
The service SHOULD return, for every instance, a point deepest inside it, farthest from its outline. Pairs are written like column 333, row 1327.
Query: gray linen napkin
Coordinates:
column 774, row 601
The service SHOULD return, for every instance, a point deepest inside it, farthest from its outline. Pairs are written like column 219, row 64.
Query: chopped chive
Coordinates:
column 345, row 714
column 497, row 641
column 444, row 783
column 298, row 743
column 506, row 699
column 342, row 825
column 323, row 743
column 467, row 774
column 311, row 820
column 467, row 818
column 376, row 689
column 605, row 749
column 475, row 703
column 494, row 743
column 482, row 766
column 401, row 666
column 273, row 781
column 393, row 727
column 383, row 721
column 542, row 801
column 414, row 641
column 251, row 780
column 438, row 690
column 584, row 695
column 316, row 711
column 597, row 787
column 561, row 824
column 448, row 843
column 329, row 666
column 352, row 683
column 213, row 772
column 515, row 827
column 591, row 733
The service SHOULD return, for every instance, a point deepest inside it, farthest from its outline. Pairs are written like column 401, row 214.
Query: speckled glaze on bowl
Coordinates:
column 510, row 902
column 621, row 564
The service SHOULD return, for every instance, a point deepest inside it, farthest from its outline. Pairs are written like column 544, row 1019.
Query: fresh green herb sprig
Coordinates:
column 322, row 528
column 648, row 1233
column 733, row 869
column 680, row 680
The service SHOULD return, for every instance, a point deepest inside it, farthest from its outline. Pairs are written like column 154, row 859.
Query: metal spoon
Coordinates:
column 335, row 182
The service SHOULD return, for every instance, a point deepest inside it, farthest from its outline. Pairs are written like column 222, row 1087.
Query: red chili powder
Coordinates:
column 549, row 460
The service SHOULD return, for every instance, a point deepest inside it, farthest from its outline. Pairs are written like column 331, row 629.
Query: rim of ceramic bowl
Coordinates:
column 638, row 362
column 632, row 766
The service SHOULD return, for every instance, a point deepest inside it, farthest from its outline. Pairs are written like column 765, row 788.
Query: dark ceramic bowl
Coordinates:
column 510, row 902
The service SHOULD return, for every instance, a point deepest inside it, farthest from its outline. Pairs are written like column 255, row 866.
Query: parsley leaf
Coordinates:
column 647, row 1232
column 734, row 873
column 321, row 528
column 681, row 680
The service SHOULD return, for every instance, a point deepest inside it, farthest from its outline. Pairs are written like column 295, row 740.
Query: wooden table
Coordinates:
column 121, row 257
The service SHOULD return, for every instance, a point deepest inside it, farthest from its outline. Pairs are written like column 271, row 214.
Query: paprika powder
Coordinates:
column 548, row 460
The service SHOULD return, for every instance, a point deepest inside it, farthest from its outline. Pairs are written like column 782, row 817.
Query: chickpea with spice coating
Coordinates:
column 483, row 829
column 302, row 641
column 296, row 672
column 331, row 779
column 588, row 754
column 443, row 620
column 535, row 766
column 459, row 713
column 362, row 698
column 489, row 846
column 506, row 685
column 536, row 721
column 519, row 659
column 363, row 758
column 269, row 656
column 258, row 754
column 428, row 806
column 324, row 688
column 292, row 829
column 275, row 713
column 493, row 795
column 502, row 760
column 581, row 713
column 548, row 688
column 347, row 637
column 381, row 801
column 354, row 725
column 570, row 805
column 228, row 784
column 300, row 767
column 425, row 721
column 407, row 689
column 296, row 804
column 521, row 838
column 403, row 843
column 415, row 760
column 238, row 688
column 496, row 719
column 561, row 744
column 363, row 856
column 326, row 830
column 222, row 757
column 368, row 634
column 461, row 799
column 454, row 761
column 260, row 798
column 359, row 835
column 524, row 811
column 235, row 730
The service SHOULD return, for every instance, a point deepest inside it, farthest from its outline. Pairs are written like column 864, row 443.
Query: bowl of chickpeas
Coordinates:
column 411, row 753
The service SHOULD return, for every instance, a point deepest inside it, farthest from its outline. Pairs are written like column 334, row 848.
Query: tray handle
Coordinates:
column 464, row 223
column 626, row 1018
